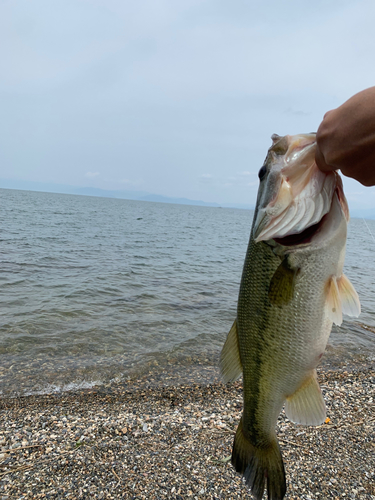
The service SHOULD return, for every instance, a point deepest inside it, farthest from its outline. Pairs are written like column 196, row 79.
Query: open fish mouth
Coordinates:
column 299, row 216
column 295, row 196
column 302, row 238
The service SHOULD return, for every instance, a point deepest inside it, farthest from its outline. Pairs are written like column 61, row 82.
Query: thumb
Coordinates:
column 320, row 161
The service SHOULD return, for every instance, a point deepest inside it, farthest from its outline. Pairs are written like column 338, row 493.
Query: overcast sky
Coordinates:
column 173, row 97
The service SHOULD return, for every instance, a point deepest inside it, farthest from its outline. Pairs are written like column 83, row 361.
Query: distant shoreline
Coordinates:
column 123, row 195
column 366, row 213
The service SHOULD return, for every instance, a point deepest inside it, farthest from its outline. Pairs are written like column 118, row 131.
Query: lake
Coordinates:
column 95, row 289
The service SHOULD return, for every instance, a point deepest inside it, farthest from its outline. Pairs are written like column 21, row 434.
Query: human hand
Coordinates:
column 346, row 138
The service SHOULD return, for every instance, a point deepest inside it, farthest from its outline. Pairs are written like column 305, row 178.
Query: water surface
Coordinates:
column 92, row 289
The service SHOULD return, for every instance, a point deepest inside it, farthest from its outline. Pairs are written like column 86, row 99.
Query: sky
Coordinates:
column 177, row 98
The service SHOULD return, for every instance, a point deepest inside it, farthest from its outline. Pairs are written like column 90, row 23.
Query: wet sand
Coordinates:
column 153, row 438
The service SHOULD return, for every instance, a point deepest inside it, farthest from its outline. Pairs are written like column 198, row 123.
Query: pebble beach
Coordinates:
column 154, row 437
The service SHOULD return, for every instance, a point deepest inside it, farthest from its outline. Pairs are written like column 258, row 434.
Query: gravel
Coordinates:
column 153, row 438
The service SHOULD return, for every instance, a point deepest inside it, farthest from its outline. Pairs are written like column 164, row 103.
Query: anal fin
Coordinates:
column 306, row 406
column 230, row 361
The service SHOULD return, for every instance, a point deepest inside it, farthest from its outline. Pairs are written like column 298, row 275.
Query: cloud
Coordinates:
column 166, row 90
column 245, row 172
column 297, row 112
column 131, row 182
column 206, row 178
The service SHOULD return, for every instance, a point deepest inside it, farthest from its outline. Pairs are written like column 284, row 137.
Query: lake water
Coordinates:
column 93, row 289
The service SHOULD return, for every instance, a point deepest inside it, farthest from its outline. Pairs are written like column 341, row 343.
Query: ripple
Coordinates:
column 90, row 293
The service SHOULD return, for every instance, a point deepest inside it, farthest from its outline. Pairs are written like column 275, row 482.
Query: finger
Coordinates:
column 320, row 161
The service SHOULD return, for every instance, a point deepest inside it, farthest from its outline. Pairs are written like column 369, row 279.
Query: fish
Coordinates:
column 292, row 290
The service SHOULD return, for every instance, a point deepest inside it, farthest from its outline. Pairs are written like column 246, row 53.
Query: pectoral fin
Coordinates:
column 349, row 297
column 230, row 361
column 282, row 284
column 341, row 299
column 306, row 406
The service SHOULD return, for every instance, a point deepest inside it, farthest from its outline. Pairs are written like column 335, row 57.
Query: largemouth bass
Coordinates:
column 292, row 290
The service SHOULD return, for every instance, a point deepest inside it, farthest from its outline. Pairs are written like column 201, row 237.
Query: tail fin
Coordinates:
column 258, row 465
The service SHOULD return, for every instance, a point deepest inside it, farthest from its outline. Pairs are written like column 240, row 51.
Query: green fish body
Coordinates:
column 292, row 290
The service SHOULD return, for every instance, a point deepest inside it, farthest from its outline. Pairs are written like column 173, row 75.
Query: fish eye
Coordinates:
column 262, row 172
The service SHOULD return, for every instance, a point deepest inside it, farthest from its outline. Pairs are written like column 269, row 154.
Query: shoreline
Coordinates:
column 170, row 368
column 148, row 439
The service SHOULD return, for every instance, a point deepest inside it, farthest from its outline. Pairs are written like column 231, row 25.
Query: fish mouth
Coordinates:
column 294, row 196
column 338, row 209
column 302, row 238
column 300, row 220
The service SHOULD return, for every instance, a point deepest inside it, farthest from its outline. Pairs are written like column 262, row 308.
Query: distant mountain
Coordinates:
column 365, row 213
column 105, row 193
column 178, row 201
